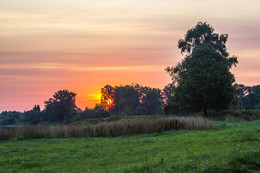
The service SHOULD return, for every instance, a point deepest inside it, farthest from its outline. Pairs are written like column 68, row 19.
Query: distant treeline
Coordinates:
column 123, row 100
column 131, row 99
column 247, row 97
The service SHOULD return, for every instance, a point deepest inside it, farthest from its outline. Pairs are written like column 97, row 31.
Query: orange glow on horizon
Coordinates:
column 82, row 45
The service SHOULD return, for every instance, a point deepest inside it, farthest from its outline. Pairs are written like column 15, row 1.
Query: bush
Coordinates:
column 237, row 113
column 248, row 115
column 8, row 121
column 32, row 117
column 94, row 113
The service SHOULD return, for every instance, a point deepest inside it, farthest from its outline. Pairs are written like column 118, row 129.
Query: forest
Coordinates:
column 128, row 100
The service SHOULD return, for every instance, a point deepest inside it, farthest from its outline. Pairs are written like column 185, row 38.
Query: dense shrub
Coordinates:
column 8, row 121
column 32, row 117
column 94, row 113
column 248, row 115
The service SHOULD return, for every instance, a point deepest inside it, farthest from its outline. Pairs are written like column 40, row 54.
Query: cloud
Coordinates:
column 77, row 67
column 82, row 45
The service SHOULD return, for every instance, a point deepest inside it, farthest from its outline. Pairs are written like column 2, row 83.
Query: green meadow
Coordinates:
column 234, row 147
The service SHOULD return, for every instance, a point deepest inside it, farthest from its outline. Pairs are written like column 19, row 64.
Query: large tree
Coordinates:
column 203, row 79
column 61, row 106
column 202, row 34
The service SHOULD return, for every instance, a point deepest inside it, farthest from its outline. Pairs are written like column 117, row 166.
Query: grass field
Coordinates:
column 235, row 148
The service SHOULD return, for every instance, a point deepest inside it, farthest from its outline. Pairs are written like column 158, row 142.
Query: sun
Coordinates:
column 109, row 102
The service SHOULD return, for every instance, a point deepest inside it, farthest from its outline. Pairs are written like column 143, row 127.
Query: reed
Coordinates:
column 126, row 126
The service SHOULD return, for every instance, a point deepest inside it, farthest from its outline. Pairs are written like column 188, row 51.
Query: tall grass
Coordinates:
column 119, row 127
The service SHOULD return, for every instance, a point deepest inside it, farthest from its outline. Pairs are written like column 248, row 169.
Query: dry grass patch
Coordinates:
column 126, row 126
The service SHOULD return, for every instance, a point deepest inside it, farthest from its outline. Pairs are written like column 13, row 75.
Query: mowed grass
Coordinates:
column 235, row 148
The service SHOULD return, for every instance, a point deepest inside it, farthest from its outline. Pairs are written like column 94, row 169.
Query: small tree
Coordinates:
column 61, row 107
column 107, row 97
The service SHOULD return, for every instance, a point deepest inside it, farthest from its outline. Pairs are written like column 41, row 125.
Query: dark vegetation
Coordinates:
column 247, row 97
column 132, row 100
column 203, row 79
column 245, row 106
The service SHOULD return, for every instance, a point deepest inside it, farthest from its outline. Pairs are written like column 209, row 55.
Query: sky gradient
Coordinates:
column 83, row 45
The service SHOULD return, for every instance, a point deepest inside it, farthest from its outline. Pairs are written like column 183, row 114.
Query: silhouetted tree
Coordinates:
column 254, row 98
column 204, row 81
column 167, row 93
column 97, row 112
column 151, row 101
column 33, row 116
column 8, row 121
column 202, row 34
column 9, row 117
column 107, row 97
column 36, row 108
column 131, row 100
column 126, row 99
column 61, row 106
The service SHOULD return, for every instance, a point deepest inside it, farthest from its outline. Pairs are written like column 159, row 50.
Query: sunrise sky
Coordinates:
column 82, row 45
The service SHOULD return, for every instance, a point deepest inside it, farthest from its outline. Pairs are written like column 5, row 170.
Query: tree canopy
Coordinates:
column 202, row 34
column 61, row 106
column 203, row 79
column 247, row 97
column 131, row 100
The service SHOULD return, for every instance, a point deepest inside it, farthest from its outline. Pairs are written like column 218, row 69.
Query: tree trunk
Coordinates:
column 205, row 111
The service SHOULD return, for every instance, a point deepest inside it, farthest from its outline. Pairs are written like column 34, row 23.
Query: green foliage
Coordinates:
column 172, row 108
column 61, row 107
column 203, row 78
column 205, row 81
column 233, row 149
column 235, row 115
